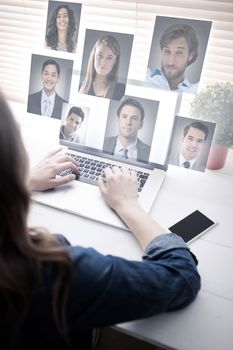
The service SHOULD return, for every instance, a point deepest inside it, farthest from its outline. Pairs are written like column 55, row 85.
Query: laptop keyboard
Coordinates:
column 90, row 169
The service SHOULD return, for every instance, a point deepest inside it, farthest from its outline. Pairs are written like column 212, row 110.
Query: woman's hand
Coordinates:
column 119, row 188
column 44, row 175
column 120, row 193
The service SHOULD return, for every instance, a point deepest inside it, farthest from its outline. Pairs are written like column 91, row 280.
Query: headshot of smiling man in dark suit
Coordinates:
column 47, row 101
column 190, row 147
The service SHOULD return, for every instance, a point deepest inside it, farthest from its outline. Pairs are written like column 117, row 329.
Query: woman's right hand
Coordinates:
column 119, row 187
column 119, row 190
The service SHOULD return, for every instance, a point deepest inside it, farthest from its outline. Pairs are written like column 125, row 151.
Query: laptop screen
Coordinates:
column 135, row 130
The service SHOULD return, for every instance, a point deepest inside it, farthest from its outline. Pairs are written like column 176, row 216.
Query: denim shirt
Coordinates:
column 107, row 290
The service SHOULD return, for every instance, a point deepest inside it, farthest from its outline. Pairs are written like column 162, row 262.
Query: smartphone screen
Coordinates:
column 192, row 226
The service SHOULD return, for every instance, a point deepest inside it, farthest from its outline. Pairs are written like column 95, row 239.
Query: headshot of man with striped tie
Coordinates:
column 130, row 119
column 47, row 102
column 192, row 143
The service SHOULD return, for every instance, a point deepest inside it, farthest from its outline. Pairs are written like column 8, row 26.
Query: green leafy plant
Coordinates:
column 215, row 104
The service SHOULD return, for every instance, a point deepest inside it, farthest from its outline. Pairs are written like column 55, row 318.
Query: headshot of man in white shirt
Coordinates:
column 179, row 49
column 47, row 102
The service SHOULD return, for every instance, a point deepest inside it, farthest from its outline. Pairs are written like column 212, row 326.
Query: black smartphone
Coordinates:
column 192, row 226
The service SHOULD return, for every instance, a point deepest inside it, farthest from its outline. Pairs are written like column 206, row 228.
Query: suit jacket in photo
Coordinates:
column 143, row 150
column 34, row 104
column 174, row 160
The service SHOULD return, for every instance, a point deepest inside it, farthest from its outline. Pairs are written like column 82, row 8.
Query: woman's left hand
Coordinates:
column 45, row 175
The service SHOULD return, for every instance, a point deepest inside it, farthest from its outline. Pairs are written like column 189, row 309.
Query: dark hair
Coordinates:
column 78, row 111
column 175, row 31
column 197, row 125
column 52, row 32
column 134, row 103
column 22, row 254
column 53, row 62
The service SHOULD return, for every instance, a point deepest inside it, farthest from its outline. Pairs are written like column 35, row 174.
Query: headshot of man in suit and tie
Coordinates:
column 194, row 137
column 130, row 119
column 47, row 102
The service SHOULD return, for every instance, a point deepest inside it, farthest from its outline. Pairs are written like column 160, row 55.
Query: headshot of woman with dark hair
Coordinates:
column 60, row 30
column 102, row 70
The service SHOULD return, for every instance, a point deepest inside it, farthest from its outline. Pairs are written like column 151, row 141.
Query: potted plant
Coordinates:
column 215, row 104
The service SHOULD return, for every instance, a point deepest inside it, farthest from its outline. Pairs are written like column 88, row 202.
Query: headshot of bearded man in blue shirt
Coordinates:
column 179, row 49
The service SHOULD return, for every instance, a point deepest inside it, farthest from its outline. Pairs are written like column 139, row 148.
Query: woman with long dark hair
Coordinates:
column 52, row 294
column 61, row 29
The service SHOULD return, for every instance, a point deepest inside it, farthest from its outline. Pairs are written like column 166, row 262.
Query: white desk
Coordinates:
column 207, row 323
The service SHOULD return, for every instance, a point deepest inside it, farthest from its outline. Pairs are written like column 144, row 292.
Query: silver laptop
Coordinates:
column 92, row 147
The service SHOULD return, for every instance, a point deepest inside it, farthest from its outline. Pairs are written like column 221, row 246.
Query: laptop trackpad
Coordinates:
column 85, row 200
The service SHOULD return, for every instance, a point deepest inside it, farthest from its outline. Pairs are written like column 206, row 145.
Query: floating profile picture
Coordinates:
column 49, row 85
column 62, row 26
column 131, row 120
column 190, row 143
column 74, row 122
column 105, row 64
column 177, row 53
